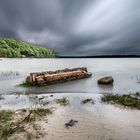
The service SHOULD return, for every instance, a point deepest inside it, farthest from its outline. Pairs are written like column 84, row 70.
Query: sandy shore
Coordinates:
column 98, row 121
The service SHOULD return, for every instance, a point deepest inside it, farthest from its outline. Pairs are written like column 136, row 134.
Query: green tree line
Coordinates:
column 12, row 48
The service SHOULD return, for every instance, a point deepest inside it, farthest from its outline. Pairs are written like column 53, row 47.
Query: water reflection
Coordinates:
column 106, row 87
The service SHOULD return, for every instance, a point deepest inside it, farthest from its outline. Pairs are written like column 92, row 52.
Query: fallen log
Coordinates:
column 53, row 77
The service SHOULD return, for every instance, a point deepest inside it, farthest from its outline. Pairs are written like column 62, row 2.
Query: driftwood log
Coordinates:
column 53, row 77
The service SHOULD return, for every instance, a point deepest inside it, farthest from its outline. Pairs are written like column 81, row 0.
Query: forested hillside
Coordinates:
column 12, row 48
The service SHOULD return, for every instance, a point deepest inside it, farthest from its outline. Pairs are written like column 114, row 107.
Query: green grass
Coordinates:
column 62, row 101
column 10, row 126
column 25, row 84
column 5, row 123
column 125, row 100
column 9, row 129
column 12, row 48
column 5, row 116
column 41, row 111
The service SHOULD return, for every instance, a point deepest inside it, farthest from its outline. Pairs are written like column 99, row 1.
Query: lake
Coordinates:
column 126, row 73
column 99, row 121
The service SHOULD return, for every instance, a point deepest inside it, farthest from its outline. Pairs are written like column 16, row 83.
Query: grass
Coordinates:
column 9, row 129
column 9, row 125
column 5, row 74
column 89, row 100
column 5, row 116
column 125, row 100
column 62, row 101
column 25, row 83
column 41, row 111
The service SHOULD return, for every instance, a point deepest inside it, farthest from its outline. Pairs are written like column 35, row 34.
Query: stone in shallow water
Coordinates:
column 70, row 123
column 106, row 80
column 89, row 100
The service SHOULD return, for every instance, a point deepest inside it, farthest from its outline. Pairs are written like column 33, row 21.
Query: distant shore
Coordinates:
column 99, row 56
column 102, row 56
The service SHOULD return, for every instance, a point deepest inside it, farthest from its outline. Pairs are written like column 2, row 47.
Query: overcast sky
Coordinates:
column 74, row 27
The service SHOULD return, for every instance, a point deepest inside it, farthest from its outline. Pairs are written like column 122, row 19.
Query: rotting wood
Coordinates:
column 53, row 77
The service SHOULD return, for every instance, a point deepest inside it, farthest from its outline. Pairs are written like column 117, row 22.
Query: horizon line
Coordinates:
column 101, row 56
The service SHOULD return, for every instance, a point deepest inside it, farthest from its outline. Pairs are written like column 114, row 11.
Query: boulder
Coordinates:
column 106, row 80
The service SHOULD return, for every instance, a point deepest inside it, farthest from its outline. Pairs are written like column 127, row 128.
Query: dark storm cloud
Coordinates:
column 74, row 27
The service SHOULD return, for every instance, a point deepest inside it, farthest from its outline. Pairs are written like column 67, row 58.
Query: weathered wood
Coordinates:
column 52, row 77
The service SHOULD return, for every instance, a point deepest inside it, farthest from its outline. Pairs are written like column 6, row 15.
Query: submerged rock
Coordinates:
column 106, row 80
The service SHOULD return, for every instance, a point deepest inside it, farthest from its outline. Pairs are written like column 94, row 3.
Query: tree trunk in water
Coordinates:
column 53, row 77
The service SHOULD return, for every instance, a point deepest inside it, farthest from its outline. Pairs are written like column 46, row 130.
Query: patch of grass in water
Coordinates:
column 125, row 100
column 89, row 100
column 25, row 83
column 9, row 73
column 62, row 101
column 41, row 111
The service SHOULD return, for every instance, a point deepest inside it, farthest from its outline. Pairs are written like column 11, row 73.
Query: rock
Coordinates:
column 41, row 98
column 106, row 80
column 70, row 123
column 89, row 100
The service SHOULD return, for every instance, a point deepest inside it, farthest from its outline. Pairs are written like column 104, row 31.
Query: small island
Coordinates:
column 13, row 48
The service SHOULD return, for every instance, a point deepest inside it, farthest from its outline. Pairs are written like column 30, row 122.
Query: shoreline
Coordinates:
column 91, row 119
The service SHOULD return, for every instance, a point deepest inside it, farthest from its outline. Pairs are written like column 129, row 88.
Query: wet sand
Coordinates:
column 97, row 121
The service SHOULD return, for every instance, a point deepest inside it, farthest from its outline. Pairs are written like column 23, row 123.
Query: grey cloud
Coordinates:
column 74, row 27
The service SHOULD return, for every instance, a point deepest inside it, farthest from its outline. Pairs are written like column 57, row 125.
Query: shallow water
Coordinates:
column 126, row 73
